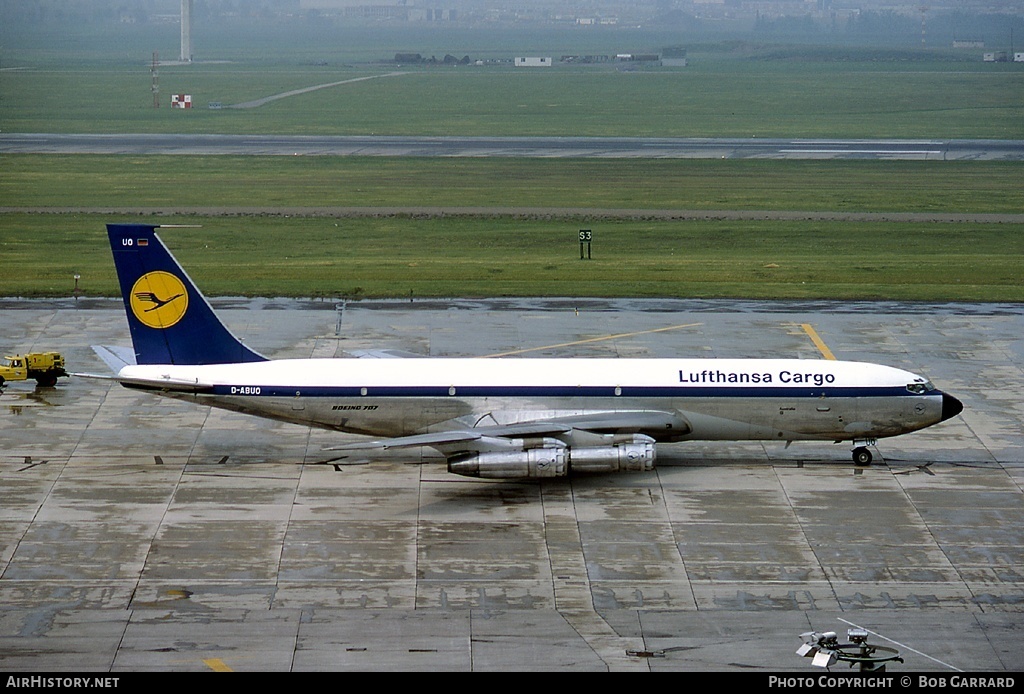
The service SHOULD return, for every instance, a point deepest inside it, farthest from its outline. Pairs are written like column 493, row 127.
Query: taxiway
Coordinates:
column 139, row 533
column 490, row 146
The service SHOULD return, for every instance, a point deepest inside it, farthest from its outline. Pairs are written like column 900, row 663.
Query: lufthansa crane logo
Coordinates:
column 159, row 299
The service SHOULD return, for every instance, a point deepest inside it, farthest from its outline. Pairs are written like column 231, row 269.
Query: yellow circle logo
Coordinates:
column 159, row 299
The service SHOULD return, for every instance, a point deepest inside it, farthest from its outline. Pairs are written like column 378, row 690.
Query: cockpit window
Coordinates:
column 920, row 388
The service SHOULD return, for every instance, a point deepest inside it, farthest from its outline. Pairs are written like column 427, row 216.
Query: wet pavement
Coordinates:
column 138, row 533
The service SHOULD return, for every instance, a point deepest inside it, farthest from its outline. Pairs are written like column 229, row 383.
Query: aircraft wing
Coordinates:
column 651, row 422
column 434, row 439
column 594, row 429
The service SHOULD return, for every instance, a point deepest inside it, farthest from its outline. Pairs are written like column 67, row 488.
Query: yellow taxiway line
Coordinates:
column 217, row 665
column 818, row 342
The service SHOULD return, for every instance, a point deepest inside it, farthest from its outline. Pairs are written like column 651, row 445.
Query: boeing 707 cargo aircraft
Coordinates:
column 503, row 417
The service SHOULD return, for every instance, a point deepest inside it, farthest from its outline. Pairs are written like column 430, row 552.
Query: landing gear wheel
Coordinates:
column 861, row 456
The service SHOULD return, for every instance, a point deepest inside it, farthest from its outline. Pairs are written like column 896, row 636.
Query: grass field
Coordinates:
column 89, row 181
column 99, row 80
column 102, row 83
column 460, row 256
column 762, row 100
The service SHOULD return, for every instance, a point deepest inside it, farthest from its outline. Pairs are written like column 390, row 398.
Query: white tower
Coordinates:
column 186, row 31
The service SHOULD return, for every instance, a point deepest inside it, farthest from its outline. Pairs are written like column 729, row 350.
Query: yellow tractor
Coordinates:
column 45, row 367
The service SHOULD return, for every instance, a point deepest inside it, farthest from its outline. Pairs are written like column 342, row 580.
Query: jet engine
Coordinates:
column 634, row 455
column 532, row 463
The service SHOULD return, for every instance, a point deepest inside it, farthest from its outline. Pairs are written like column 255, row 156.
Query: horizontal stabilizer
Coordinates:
column 95, row 377
column 166, row 384
column 116, row 358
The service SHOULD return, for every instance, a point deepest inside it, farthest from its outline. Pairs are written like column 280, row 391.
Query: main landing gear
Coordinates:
column 861, row 454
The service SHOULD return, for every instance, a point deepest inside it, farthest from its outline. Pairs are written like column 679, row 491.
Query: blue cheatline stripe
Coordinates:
column 558, row 392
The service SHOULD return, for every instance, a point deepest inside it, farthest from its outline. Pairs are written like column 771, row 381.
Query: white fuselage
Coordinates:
column 734, row 399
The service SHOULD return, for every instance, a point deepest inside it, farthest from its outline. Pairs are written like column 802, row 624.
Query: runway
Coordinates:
column 145, row 534
column 482, row 146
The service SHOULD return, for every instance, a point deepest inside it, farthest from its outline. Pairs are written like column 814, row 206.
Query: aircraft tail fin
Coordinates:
column 171, row 322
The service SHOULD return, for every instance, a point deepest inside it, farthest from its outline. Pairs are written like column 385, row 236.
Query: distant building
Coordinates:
column 587, row 59
column 381, row 10
column 346, row 4
column 637, row 58
column 533, row 62
column 994, row 57
column 673, row 56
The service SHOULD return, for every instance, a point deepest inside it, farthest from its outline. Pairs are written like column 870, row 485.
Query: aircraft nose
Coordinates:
column 951, row 407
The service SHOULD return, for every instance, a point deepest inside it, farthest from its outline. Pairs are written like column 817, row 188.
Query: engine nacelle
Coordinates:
column 532, row 463
column 637, row 456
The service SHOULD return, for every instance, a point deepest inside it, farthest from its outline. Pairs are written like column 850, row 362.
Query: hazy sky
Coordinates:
column 893, row 20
